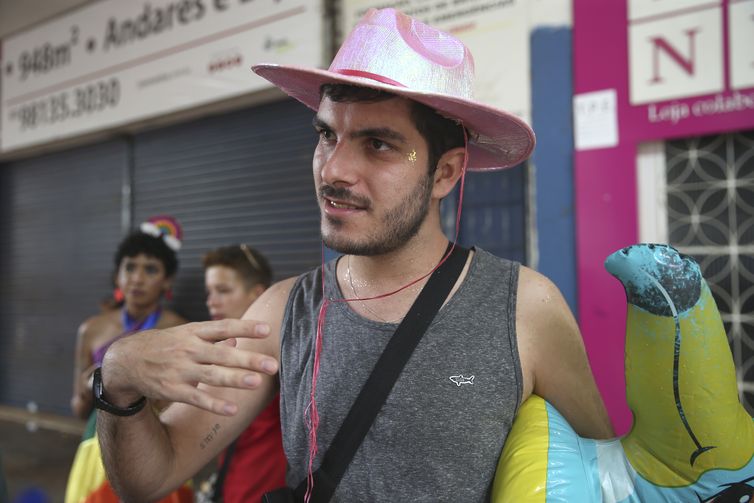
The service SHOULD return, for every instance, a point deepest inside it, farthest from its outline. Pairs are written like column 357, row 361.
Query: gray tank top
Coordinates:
column 440, row 433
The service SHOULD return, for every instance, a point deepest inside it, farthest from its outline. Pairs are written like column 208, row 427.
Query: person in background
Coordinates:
column 234, row 277
column 145, row 266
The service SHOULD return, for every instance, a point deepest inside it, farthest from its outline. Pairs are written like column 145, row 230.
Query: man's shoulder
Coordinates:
column 540, row 300
column 311, row 280
column 486, row 256
column 535, row 286
column 491, row 267
column 282, row 289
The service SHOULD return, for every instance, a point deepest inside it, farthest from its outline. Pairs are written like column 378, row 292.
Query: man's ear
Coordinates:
column 449, row 170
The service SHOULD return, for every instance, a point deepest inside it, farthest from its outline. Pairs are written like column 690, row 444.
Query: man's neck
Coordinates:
column 379, row 274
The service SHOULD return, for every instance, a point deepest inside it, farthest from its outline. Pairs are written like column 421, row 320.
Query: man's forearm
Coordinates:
column 136, row 449
column 147, row 456
column 137, row 454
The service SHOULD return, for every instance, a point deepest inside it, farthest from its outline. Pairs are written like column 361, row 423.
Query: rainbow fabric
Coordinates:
column 87, row 482
column 167, row 225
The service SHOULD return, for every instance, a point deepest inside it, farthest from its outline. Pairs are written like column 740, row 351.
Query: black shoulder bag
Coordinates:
column 378, row 386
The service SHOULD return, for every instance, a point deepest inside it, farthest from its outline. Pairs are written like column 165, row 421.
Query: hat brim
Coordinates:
column 498, row 139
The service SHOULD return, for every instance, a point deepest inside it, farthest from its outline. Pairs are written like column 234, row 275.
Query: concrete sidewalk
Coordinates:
column 37, row 451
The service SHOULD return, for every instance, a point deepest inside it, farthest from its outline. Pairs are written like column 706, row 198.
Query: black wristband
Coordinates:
column 99, row 399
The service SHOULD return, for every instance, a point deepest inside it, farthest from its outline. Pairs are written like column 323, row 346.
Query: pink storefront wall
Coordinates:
column 605, row 178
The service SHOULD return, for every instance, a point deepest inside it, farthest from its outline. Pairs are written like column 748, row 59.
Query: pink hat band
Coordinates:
column 369, row 75
column 392, row 52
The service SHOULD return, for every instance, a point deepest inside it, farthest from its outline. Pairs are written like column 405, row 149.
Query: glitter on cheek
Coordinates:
column 412, row 155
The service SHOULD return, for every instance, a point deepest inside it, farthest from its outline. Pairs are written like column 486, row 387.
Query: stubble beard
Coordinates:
column 398, row 225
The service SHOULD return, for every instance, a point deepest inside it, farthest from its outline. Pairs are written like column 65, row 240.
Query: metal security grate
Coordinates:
column 60, row 223
column 239, row 177
column 710, row 204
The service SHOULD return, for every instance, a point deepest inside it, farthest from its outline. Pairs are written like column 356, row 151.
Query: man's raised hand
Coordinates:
column 174, row 364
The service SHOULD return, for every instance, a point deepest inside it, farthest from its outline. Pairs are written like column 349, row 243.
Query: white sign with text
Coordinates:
column 112, row 63
column 741, row 43
column 643, row 9
column 595, row 118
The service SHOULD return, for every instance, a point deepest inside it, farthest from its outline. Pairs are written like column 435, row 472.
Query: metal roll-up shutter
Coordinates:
column 240, row 177
column 60, row 223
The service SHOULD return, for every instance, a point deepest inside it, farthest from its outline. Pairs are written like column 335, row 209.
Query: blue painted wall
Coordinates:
column 552, row 91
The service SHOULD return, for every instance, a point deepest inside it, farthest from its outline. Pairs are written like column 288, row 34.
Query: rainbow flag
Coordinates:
column 87, row 482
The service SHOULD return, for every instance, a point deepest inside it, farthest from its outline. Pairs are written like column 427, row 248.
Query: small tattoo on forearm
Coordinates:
column 211, row 434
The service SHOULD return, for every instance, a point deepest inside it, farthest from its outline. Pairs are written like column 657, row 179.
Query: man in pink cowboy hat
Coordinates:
column 397, row 128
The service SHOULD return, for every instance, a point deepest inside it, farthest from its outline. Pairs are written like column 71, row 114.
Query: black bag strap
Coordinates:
column 385, row 373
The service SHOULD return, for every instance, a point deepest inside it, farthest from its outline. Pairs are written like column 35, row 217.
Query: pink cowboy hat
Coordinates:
column 390, row 51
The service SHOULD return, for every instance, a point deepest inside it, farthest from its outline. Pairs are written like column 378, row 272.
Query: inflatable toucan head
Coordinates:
column 657, row 277
column 691, row 440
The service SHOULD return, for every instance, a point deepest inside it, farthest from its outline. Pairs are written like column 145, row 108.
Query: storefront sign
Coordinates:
column 496, row 32
column 690, row 62
column 112, row 63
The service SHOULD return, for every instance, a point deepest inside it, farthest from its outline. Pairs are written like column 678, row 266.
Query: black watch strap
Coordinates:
column 99, row 399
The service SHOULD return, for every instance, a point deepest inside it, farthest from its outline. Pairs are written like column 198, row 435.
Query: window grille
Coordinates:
column 710, row 208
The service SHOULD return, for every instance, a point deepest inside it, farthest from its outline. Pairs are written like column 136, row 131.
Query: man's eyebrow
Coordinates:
column 380, row 132
column 377, row 132
column 320, row 124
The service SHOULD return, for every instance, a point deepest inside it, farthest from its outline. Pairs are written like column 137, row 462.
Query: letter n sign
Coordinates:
column 660, row 46
column 675, row 54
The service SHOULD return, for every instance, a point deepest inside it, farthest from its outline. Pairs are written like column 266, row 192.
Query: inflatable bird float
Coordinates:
column 691, row 440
